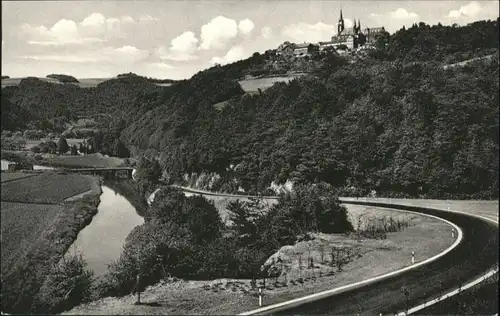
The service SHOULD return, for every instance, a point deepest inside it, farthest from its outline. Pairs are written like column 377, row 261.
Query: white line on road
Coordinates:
column 337, row 290
column 344, row 288
column 456, row 291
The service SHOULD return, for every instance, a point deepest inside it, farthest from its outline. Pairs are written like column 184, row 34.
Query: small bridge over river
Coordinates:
column 107, row 173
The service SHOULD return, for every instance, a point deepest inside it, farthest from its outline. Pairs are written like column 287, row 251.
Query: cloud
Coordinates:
column 403, row 14
column 470, row 10
column 301, row 31
column 182, row 48
column 184, row 43
column 161, row 65
column 217, row 33
column 246, row 26
column 89, row 30
column 122, row 55
column 234, row 54
column 147, row 18
column 130, row 54
column 266, row 32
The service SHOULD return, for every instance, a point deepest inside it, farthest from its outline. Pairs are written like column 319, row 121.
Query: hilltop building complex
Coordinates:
column 346, row 39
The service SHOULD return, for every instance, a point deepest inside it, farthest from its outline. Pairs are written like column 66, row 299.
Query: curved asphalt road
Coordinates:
column 475, row 255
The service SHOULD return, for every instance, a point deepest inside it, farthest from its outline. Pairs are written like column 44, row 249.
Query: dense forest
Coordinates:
column 395, row 122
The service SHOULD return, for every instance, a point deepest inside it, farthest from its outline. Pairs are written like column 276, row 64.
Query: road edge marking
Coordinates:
column 456, row 291
column 370, row 280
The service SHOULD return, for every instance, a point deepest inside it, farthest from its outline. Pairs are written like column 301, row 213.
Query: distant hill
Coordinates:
column 5, row 77
column 43, row 101
column 152, row 80
column 63, row 78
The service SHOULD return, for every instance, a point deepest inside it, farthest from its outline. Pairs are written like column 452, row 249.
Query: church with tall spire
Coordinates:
column 346, row 39
column 354, row 37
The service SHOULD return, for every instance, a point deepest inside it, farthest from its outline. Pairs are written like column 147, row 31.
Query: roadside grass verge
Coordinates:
column 46, row 187
column 35, row 237
column 362, row 258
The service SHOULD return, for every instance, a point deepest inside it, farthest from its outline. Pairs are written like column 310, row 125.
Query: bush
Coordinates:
column 35, row 149
column 314, row 207
column 68, row 284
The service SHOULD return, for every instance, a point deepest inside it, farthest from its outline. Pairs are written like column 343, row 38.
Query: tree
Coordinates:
column 120, row 150
column 68, row 284
column 242, row 218
column 62, row 146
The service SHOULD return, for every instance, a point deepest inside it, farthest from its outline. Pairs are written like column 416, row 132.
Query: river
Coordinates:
column 101, row 242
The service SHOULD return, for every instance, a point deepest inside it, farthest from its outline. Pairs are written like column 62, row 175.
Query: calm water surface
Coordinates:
column 102, row 241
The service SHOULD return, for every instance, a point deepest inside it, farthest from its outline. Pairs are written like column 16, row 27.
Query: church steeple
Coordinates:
column 340, row 27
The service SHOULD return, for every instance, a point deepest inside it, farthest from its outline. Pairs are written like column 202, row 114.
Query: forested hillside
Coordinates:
column 396, row 122
column 42, row 103
column 399, row 125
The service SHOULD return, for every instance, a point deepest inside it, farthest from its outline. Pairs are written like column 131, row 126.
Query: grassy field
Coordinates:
column 45, row 188
column 22, row 224
column 252, row 85
column 35, row 236
column 71, row 141
column 369, row 258
column 92, row 160
column 11, row 176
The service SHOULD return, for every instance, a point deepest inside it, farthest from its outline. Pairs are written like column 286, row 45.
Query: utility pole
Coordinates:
column 137, row 289
column 260, row 296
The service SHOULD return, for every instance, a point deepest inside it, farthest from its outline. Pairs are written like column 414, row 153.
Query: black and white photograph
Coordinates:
column 250, row 157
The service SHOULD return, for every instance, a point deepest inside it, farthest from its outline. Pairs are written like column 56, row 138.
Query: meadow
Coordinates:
column 22, row 225
column 45, row 188
column 11, row 176
column 71, row 141
column 37, row 232
column 93, row 160
column 252, row 85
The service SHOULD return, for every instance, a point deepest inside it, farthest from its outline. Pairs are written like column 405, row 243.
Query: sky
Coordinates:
column 176, row 39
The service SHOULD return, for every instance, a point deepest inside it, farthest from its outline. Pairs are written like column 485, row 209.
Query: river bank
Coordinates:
column 36, row 236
